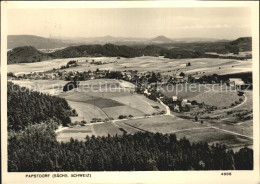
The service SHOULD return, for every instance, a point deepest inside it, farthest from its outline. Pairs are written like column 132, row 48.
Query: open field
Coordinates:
column 140, row 103
column 86, row 111
column 102, row 103
column 162, row 124
column 190, row 91
column 218, row 99
column 96, row 129
column 240, row 54
column 213, row 136
column 89, row 107
column 185, row 91
column 114, row 112
column 79, row 132
column 53, row 87
column 231, row 135
column 146, row 63
column 246, row 105
column 129, row 129
column 106, row 128
column 244, row 128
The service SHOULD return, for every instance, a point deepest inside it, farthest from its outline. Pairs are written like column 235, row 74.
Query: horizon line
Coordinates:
column 71, row 37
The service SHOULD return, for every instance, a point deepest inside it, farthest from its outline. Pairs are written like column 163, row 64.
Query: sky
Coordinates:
column 221, row 23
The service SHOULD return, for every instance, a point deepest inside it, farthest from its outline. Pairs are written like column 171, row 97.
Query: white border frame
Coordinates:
column 137, row 176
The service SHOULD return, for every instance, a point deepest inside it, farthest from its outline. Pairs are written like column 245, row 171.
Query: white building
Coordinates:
column 174, row 98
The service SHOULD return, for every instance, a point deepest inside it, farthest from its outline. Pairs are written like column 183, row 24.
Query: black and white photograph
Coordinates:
column 134, row 89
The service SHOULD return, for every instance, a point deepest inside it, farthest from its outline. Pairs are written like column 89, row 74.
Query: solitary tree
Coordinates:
column 196, row 118
column 182, row 74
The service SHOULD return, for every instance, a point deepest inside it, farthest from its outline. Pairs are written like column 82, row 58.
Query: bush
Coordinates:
column 162, row 112
column 73, row 113
column 123, row 130
column 83, row 123
column 237, row 102
column 156, row 107
column 10, row 74
column 122, row 117
column 229, row 112
column 240, row 93
column 194, row 102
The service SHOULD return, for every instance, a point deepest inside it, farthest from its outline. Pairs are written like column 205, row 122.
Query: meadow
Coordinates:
column 230, row 135
column 97, row 101
column 210, row 94
column 79, row 132
column 203, row 66
column 162, row 124
column 214, row 136
column 218, row 99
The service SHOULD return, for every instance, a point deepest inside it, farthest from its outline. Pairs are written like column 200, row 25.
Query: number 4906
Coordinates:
column 226, row 174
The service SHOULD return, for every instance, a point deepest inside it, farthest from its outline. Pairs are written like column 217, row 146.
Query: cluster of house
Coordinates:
column 183, row 103
column 93, row 62
column 60, row 75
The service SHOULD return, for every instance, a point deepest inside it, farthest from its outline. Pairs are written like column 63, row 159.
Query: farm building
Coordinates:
column 180, row 79
column 239, row 84
column 236, row 81
column 185, row 100
column 183, row 104
column 174, row 98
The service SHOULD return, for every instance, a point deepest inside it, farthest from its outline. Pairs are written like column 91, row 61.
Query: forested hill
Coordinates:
column 29, row 54
column 27, row 107
column 243, row 43
column 36, row 150
column 26, row 54
column 108, row 50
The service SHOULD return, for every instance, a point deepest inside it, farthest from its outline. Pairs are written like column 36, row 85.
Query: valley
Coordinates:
column 112, row 106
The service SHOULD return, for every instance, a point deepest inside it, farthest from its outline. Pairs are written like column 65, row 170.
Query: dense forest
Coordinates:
column 29, row 54
column 36, row 149
column 27, row 107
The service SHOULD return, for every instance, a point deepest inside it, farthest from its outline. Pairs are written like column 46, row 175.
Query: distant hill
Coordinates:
column 243, row 43
column 108, row 50
column 38, row 42
column 29, row 54
column 26, row 54
column 104, row 40
column 160, row 39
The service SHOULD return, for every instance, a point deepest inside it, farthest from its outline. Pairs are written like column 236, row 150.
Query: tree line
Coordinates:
column 27, row 107
column 36, row 149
